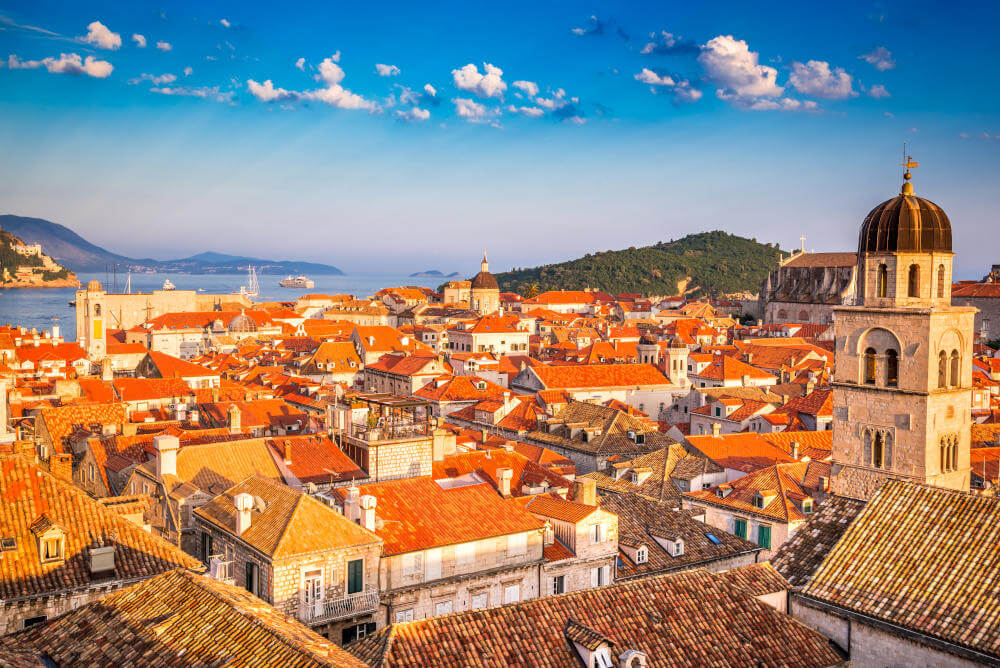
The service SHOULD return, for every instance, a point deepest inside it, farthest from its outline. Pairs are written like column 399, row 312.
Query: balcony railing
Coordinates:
column 389, row 431
column 353, row 605
column 221, row 569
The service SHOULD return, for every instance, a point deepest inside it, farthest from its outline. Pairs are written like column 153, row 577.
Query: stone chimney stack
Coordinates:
column 368, row 503
column 235, row 420
column 795, row 449
column 166, row 447
column 61, row 466
column 504, row 476
column 585, row 491
column 352, row 507
column 286, row 450
column 244, row 505
column 107, row 373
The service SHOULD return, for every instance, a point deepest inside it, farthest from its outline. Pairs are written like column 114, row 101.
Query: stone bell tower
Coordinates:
column 903, row 376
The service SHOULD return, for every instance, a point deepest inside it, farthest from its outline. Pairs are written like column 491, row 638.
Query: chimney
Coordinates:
column 55, row 331
column 102, row 559
column 351, row 504
column 368, row 503
column 166, row 447
column 795, row 449
column 215, row 395
column 810, row 386
column 235, row 420
column 244, row 504
column 746, row 380
column 504, row 476
column 585, row 491
column 716, row 429
column 61, row 466
column 107, row 373
column 286, row 450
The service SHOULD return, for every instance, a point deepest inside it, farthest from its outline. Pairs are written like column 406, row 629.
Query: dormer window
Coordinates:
column 602, row 658
column 641, row 555
column 758, row 501
column 807, row 506
column 634, row 477
column 52, row 549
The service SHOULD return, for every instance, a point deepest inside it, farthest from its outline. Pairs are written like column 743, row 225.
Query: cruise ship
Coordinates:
column 299, row 281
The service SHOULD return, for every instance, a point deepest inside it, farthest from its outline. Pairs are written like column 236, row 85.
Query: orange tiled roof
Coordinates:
column 144, row 389
column 560, row 509
column 173, row 367
column 599, row 375
column 316, row 458
column 63, row 421
column 782, row 482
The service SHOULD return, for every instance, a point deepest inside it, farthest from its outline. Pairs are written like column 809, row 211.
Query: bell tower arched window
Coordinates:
column 878, row 450
column 940, row 282
column 942, row 369
column 914, row 282
column 883, row 280
column 891, row 368
column 97, row 310
column 954, row 369
column 948, row 452
column 870, row 366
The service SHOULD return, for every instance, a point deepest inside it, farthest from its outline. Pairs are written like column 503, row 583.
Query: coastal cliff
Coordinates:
column 26, row 266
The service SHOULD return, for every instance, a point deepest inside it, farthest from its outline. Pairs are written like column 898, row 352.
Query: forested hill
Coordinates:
column 715, row 263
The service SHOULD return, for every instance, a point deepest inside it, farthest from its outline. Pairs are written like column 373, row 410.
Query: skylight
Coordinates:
column 711, row 537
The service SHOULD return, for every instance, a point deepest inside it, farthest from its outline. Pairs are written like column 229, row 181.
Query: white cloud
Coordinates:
column 530, row 112
column 204, row 92
column 668, row 43
column 154, row 79
column 266, row 92
column 330, row 71
column 68, row 63
column 188, row 70
column 140, row 40
column 529, row 87
column 487, row 84
column 685, row 92
column 880, row 57
column 415, row 114
column 386, row 70
column 430, row 90
column 736, row 70
column 815, row 78
column 648, row 76
column 336, row 56
column 878, row 91
column 471, row 110
column 301, row 64
column 780, row 104
column 224, row 22
column 99, row 35
column 164, row 46
column 337, row 96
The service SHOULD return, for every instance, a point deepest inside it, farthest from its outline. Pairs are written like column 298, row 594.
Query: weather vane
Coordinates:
column 908, row 162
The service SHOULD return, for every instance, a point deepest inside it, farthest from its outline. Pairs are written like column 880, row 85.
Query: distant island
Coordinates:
column 702, row 264
column 79, row 255
column 434, row 273
column 26, row 266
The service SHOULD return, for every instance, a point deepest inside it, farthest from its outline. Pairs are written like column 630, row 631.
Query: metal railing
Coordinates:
column 389, row 430
column 330, row 610
column 221, row 569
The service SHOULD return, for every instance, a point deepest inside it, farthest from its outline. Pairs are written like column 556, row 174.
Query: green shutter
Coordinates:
column 764, row 536
column 740, row 528
column 355, row 576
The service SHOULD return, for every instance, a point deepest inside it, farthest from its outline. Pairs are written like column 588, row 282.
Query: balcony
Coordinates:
column 353, row 605
column 221, row 569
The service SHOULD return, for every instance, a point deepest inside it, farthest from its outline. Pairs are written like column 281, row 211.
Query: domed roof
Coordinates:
column 648, row 339
column 242, row 323
column 484, row 280
column 907, row 224
column 93, row 286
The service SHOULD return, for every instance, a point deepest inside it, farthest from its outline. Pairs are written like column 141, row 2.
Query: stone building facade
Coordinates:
column 806, row 286
column 986, row 298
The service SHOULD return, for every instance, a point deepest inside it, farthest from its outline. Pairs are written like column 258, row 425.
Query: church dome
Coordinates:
column 94, row 286
column 905, row 224
column 242, row 324
column 484, row 280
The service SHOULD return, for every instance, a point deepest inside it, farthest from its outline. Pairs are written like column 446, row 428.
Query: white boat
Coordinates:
column 299, row 281
column 167, row 285
column 253, row 288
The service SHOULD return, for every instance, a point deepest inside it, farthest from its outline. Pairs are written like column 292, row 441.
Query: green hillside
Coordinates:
column 716, row 262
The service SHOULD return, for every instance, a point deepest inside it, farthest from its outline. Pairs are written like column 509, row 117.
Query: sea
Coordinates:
column 41, row 308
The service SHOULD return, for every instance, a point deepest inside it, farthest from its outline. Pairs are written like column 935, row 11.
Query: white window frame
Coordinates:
column 443, row 608
column 404, row 615
column 480, row 600
column 598, row 533
column 641, row 555
column 512, row 593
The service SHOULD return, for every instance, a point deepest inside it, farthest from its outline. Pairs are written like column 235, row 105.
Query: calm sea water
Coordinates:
column 44, row 307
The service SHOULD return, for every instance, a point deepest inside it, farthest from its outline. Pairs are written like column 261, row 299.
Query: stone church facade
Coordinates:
column 807, row 286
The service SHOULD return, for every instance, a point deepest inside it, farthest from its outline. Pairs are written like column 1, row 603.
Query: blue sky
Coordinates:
column 382, row 135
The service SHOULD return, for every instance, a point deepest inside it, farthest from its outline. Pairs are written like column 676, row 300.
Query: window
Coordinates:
column 413, row 563
column 913, row 289
column 602, row 658
column 598, row 533
column 90, row 472
column 52, row 549
column 718, row 411
column 97, row 310
column 740, row 528
column 942, row 369
column 252, row 583
column 559, row 584
column 641, row 555
column 404, row 615
column 878, row 450
column 891, row 368
column 764, row 536
column 517, row 545
column 758, row 501
column 313, row 589
column 869, row 366
column 599, row 576
column 883, row 280
column 949, row 454
column 355, row 576
column 480, row 601
column 31, row 621
column 357, row 632
column 442, row 608
column 954, row 369
column 807, row 506
column 206, row 546
column 512, row 593
column 940, row 282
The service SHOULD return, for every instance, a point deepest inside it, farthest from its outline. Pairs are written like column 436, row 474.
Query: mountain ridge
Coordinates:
column 79, row 255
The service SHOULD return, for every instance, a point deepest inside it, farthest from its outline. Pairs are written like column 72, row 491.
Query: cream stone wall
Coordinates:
column 13, row 613
column 723, row 518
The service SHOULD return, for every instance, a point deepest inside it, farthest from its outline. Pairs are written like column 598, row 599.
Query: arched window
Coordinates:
column 868, row 447
column 954, row 368
column 914, row 284
column 953, row 452
column 941, row 282
column 804, row 316
column 883, row 280
column 942, row 369
column 948, row 453
column 891, row 368
column 97, row 310
column 878, row 451
column 870, row 366
column 887, row 450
